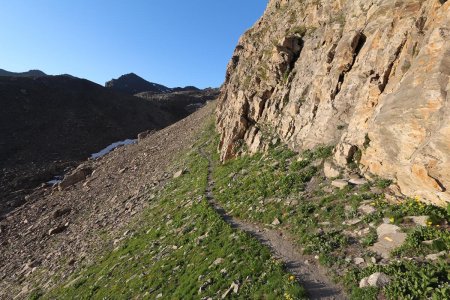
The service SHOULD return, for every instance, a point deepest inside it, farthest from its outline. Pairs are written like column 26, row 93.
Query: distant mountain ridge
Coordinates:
column 133, row 84
column 51, row 123
column 30, row 73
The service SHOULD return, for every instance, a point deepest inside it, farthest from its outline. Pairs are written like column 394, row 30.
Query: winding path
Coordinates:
column 312, row 277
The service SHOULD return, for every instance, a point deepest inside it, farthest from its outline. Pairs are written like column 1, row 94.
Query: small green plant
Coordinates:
column 370, row 238
column 286, row 76
column 406, row 66
column 299, row 30
column 414, row 242
column 325, row 242
column 368, row 293
column 366, row 141
column 383, row 183
column 340, row 19
column 36, row 294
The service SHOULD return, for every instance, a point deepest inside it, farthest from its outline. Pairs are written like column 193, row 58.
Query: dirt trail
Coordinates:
column 312, row 277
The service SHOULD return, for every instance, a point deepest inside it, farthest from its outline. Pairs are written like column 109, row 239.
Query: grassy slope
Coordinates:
column 172, row 250
column 278, row 185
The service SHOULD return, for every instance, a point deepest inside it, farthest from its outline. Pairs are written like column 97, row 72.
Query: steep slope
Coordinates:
column 370, row 77
column 181, row 102
column 50, row 124
column 130, row 230
column 132, row 84
column 30, row 73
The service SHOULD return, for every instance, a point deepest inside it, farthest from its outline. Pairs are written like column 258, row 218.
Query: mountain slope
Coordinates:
column 132, row 84
column 180, row 102
column 145, row 224
column 30, row 73
column 130, row 230
column 368, row 77
column 50, row 124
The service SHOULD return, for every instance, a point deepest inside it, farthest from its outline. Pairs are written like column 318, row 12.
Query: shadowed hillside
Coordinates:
column 49, row 124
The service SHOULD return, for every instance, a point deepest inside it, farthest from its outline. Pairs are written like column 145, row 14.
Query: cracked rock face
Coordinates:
column 371, row 77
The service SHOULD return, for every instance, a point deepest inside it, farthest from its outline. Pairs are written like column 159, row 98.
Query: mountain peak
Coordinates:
column 30, row 73
column 133, row 84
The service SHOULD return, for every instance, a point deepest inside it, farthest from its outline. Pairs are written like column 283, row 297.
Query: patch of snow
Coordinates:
column 55, row 180
column 198, row 104
column 112, row 147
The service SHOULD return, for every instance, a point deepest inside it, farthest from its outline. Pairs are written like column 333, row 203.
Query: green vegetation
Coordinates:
column 286, row 185
column 339, row 18
column 410, row 280
column 302, row 30
column 406, row 66
column 181, row 249
column 243, row 182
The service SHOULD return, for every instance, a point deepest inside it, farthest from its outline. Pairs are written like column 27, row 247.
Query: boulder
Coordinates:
column 61, row 212
column 385, row 229
column 233, row 288
column 418, row 220
column 358, row 260
column 377, row 279
column 351, row 222
column 357, row 181
column 389, row 238
column 79, row 174
column 330, row 170
column 367, row 209
column 339, row 183
column 58, row 229
column 364, row 282
column 144, row 134
column 435, row 256
column 178, row 174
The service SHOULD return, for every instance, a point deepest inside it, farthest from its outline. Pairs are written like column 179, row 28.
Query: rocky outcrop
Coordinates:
column 79, row 174
column 370, row 77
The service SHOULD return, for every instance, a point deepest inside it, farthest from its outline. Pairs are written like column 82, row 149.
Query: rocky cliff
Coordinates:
column 370, row 77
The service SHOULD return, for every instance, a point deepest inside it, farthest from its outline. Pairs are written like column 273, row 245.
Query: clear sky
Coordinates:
column 171, row 42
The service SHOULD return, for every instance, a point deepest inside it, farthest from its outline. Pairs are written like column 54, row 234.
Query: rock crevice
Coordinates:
column 371, row 76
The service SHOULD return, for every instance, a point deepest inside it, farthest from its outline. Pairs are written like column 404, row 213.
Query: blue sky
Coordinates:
column 172, row 42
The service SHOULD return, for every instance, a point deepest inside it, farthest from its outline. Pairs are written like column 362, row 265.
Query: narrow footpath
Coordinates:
column 312, row 277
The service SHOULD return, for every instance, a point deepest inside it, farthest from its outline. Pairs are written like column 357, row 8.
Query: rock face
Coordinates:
column 371, row 77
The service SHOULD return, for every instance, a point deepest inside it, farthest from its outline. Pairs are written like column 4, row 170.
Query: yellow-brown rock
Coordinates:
column 371, row 77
